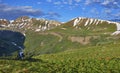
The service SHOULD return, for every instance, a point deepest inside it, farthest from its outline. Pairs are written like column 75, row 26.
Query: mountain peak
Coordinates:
column 37, row 24
column 80, row 22
column 4, row 22
column 26, row 23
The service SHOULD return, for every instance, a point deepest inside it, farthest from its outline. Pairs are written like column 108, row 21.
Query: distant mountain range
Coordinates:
column 37, row 25
column 25, row 23
column 44, row 36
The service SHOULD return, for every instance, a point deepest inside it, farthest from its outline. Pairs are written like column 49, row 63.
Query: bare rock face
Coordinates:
column 27, row 23
column 21, row 20
column 34, row 24
column 4, row 22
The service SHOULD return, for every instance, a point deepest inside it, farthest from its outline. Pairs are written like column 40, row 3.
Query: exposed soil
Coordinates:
column 81, row 40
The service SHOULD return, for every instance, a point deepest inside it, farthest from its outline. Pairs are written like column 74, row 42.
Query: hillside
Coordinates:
column 79, row 45
column 74, row 34
column 91, row 60
column 96, row 25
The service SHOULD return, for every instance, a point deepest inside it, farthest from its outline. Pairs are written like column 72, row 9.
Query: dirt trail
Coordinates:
column 54, row 34
column 58, row 35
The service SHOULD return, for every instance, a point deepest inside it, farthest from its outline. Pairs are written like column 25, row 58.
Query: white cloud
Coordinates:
column 97, row 1
column 22, row 8
column 83, row 8
column 39, row 2
column 76, row 4
column 77, row 1
column 106, row 2
column 108, row 11
column 115, row 3
column 64, row 2
column 94, row 10
column 70, row 2
column 117, row 14
column 57, row 3
column 49, row 0
column 52, row 15
column 12, row 12
column 87, row 2
column 111, row 4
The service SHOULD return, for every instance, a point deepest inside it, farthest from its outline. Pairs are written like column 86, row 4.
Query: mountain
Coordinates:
column 4, row 22
column 27, row 23
column 49, row 36
column 95, row 24
column 26, row 26
column 80, row 45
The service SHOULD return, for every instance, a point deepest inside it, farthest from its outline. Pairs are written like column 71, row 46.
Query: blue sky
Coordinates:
column 61, row 10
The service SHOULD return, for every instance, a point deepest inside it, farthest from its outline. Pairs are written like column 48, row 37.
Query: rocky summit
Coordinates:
column 26, row 23
column 4, row 22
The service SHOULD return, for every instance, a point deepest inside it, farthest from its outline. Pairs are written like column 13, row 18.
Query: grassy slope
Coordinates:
column 101, row 55
column 91, row 60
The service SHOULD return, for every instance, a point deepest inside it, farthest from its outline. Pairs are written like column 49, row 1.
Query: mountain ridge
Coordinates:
column 26, row 23
column 37, row 25
column 79, row 45
column 87, row 22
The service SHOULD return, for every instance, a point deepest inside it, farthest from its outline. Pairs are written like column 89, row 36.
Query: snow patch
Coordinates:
column 76, row 21
column 37, row 30
column 20, row 25
column 29, row 19
column 39, row 26
column 91, row 21
column 94, row 21
column 46, row 22
column 118, row 29
column 86, row 22
column 11, row 21
column 118, row 26
column 3, row 19
column 97, row 22
column 24, row 34
column 116, row 33
column 101, row 21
